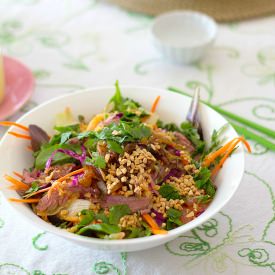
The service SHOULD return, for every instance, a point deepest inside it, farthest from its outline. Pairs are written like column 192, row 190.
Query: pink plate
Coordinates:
column 19, row 86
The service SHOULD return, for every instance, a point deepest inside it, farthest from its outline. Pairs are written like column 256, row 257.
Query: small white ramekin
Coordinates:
column 183, row 36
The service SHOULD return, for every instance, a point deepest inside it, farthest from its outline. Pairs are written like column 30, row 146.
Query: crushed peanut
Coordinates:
column 185, row 185
column 129, row 221
column 161, row 204
column 132, row 173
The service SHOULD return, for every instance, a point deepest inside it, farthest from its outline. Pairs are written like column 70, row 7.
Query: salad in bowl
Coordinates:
column 123, row 173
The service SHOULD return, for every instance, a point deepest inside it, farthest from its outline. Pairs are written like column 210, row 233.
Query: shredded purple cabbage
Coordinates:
column 70, row 153
column 159, row 217
column 173, row 151
column 75, row 179
column 173, row 173
column 45, row 186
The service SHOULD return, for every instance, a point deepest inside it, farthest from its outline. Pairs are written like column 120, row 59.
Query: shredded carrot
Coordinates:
column 24, row 200
column 71, row 174
column 12, row 187
column 70, row 218
column 155, row 104
column 150, row 221
column 10, row 123
column 247, row 145
column 227, row 154
column 153, row 225
column 212, row 156
column 224, row 152
column 159, row 231
column 45, row 218
column 18, row 185
column 19, row 135
column 184, row 161
column 40, row 191
column 18, row 175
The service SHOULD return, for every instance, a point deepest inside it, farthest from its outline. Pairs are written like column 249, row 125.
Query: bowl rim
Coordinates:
column 185, row 13
column 153, row 239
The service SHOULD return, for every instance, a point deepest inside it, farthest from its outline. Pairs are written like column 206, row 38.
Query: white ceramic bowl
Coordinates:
column 183, row 36
column 172, row 108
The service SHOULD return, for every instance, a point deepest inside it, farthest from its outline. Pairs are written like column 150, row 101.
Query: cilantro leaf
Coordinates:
column 68, row 128
column 169, row 192
column 203, row 181
column 100, row 227
column 114, row 146
column 96, row 160
column 137, row 132
column 117, row 212
column 210, row 189
column 203, row 199
column 125, row 131
column 137, row 232
column 117, row 98
column 64, row 137
column 173, row 216
column 88, row 217
column 188, row 130
column 216, row 140
column 172, row 127
column 65, row 133
column 34, row 187
column 101, row 216
column 202, row 177
column 132, row 110
column 90, row 144
column 192, row 134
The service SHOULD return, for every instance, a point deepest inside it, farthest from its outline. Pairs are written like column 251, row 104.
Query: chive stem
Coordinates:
column 246, row 122
column 250, row 135
column 240, row 129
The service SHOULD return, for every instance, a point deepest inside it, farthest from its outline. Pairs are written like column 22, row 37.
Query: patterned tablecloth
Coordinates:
column 73, row 44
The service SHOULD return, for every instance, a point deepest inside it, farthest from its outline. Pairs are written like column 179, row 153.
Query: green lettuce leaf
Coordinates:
column 117, row 212
column 100, row 227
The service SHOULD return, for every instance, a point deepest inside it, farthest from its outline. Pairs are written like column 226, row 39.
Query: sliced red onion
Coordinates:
column 45, row 186
column 134, row 203
column 70, row 153
column 199, row 213
column 29, row 177
column 38, row 137
column 102, row 187
column 113, row 119
column 183, row 140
